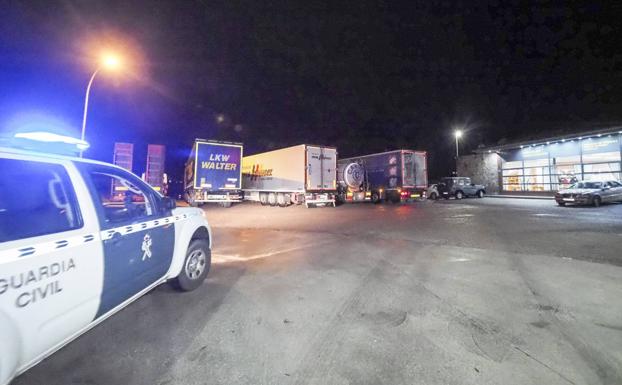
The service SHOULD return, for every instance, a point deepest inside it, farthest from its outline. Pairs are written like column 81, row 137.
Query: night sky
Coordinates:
column 365, row 76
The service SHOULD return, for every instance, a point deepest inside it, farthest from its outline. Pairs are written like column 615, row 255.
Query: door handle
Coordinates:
column 116, row 238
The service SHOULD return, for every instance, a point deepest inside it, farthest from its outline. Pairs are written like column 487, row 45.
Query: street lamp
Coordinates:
column 458, row 135
column 108, row 62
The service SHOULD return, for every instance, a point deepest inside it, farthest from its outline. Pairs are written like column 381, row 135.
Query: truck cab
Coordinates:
column 80, row 240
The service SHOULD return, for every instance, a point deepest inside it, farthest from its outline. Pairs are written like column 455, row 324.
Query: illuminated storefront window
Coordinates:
column 558, row 165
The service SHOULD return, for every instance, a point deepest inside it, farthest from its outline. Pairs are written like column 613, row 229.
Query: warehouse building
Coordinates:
column 544, row 166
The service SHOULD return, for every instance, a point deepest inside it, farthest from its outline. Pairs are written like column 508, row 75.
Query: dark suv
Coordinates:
column 459, row 187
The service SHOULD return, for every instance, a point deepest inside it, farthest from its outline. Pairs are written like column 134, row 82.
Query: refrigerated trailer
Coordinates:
column 213, row 173
column 293, row 175
column 399, row 175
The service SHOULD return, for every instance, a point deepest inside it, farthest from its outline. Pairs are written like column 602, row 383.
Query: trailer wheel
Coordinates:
column 226, row 204
column 283, row 200
column 375, row 198
column 263, row 199
column 272, row 199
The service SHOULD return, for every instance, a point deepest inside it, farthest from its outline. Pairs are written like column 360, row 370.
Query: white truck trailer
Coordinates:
column 293, row 175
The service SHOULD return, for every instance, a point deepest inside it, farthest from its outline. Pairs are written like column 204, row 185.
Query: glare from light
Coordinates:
column 458, row 133
column 49, row 137
column 111, row 62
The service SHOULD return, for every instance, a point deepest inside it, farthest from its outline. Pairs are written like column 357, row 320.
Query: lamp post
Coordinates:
column 109, row 62
column 458, row 135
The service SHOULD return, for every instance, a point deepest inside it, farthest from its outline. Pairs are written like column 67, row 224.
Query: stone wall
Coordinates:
column 482, row 169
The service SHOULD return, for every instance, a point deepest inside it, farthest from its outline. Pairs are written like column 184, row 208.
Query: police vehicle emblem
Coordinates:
column 146, row 247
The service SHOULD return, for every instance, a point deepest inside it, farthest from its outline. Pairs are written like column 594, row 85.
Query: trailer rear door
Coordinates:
column 415, row 169
column 321, row 168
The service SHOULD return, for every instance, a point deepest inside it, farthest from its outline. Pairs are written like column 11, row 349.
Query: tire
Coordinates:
column 433, row 196
column 375, row 198
column 272, row 199
column 480, row 194
column 196, row 265
column 561, row 203
column 263, row 199
column 597, row 201
column 395, row 199
column 283, row 200
column 459, row 195
column 226, row 204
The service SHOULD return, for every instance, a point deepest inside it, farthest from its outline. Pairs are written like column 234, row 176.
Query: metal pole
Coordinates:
column 86, row 106
column 457, row 155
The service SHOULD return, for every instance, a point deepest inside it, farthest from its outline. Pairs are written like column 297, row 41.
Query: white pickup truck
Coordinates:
column 80, row 240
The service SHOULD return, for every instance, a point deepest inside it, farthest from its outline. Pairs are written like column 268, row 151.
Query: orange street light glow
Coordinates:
column 111, row 62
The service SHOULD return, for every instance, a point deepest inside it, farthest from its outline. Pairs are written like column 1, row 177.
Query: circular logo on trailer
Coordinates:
column 354, row 175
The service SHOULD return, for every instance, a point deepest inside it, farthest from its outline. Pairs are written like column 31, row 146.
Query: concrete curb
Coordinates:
column 520, row 197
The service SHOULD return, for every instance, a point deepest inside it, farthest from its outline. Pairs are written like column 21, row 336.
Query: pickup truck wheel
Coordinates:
column 480, row 194
column 433, row 196
column 561, row 203
column 459, row 195
column 596, row 201
column 196, row 265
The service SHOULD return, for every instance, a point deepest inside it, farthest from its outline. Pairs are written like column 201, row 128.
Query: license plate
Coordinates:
column 415, row 195
column 569, row 199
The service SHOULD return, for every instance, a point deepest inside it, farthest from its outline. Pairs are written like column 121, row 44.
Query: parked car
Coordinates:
column 459, row 187
column 79, row 241
column 590, row 193
column 432, row 192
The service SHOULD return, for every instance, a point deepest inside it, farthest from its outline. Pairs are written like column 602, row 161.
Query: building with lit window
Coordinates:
column 544, row 166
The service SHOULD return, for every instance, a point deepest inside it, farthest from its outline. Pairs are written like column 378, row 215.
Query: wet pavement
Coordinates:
column 479, row 291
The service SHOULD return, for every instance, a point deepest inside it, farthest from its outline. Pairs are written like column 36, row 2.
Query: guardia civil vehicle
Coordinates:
column 80, row 240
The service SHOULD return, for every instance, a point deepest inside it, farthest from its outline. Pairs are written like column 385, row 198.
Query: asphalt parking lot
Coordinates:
column 479, row 291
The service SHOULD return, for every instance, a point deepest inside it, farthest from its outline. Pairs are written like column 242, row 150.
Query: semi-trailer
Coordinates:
column 293, row 175
column 396, row 176
column 213, row 173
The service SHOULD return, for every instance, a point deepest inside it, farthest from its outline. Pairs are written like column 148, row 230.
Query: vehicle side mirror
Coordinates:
column 604, row 188
column 169, row 203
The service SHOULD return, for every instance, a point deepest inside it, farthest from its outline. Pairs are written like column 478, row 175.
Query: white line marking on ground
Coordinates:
column 224, row 258
column 459, row 260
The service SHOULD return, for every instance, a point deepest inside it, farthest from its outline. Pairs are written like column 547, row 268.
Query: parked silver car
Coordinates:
column 590, row 193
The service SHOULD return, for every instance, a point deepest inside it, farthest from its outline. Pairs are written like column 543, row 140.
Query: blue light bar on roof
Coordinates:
column 48, row 137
